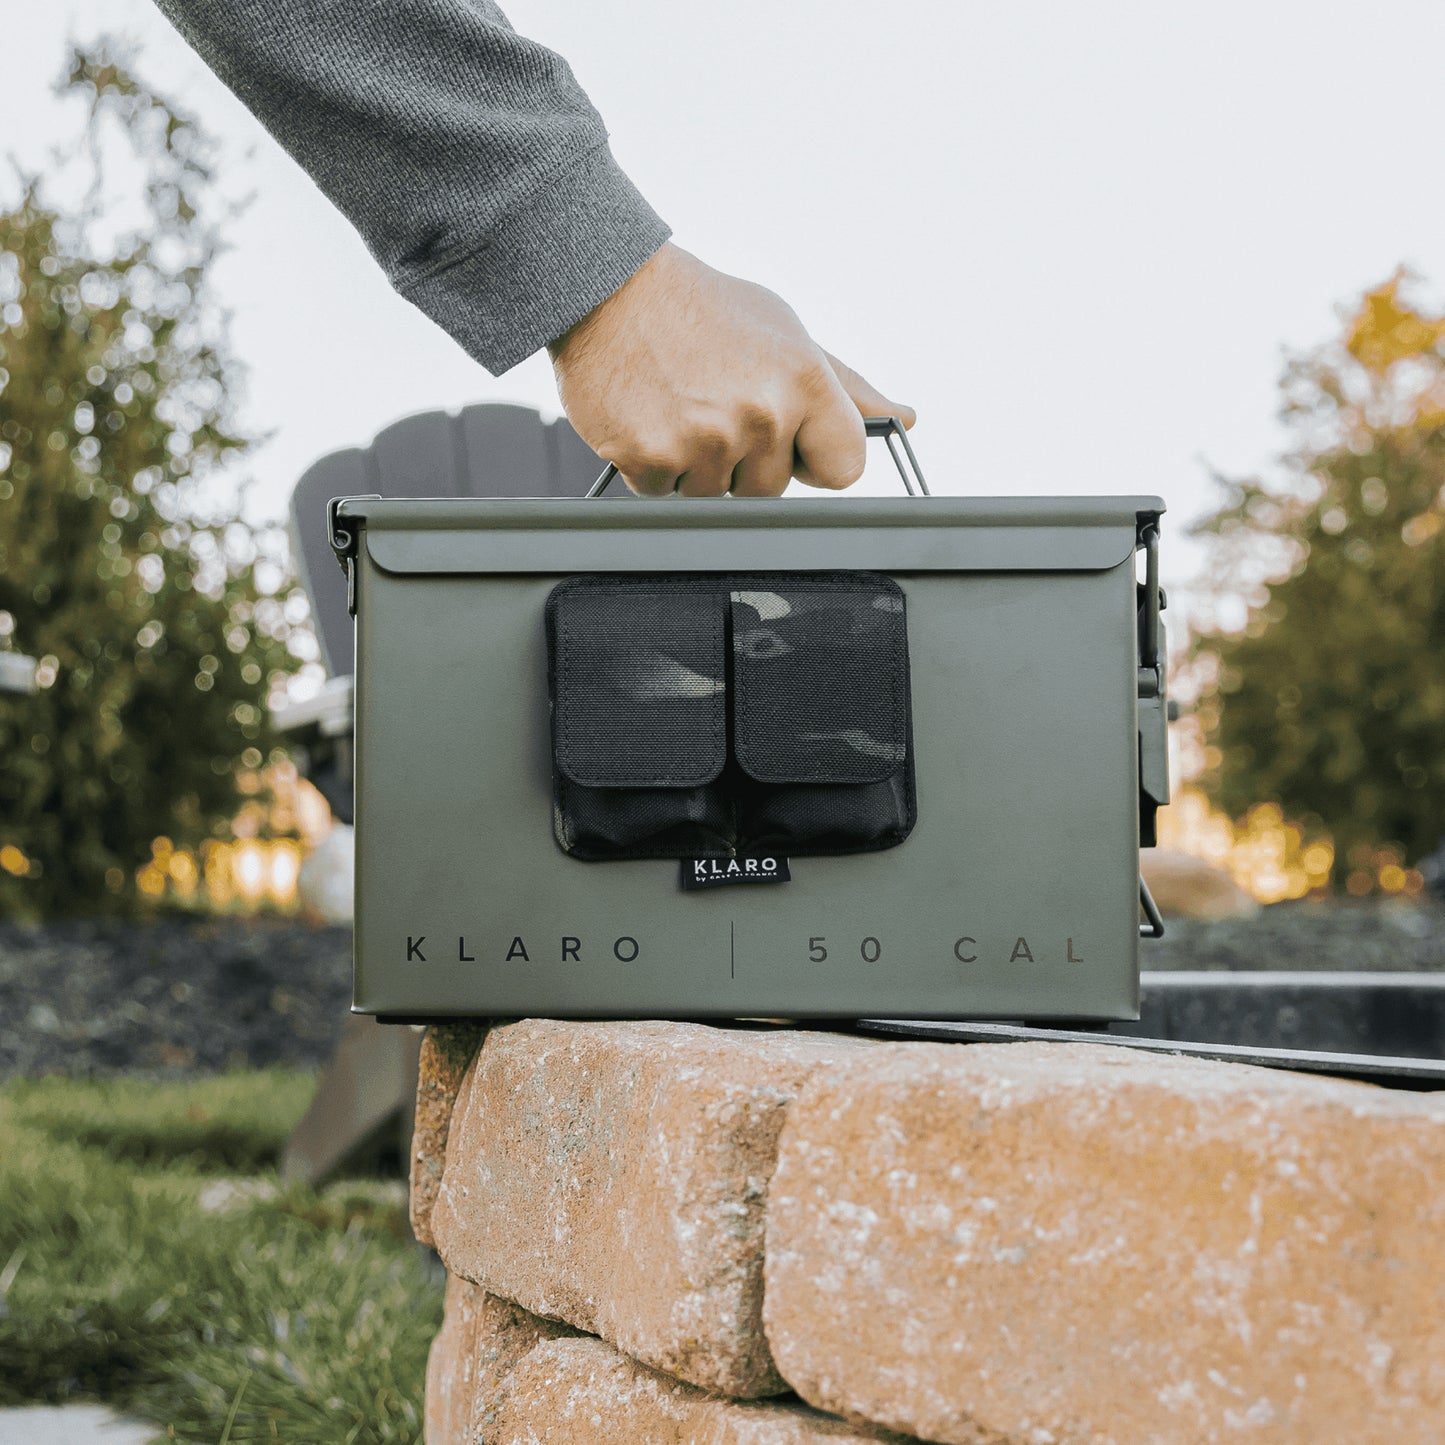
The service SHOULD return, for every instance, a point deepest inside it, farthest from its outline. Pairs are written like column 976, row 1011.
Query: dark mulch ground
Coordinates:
column 179, row 996
column 189, row 996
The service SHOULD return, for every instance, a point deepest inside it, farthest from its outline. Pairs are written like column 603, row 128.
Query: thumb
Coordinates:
column 866, row 397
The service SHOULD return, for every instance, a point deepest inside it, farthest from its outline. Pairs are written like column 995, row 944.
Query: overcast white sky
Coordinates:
column 1075, row 237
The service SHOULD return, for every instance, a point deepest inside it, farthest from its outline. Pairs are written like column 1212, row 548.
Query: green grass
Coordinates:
column 304, row 1318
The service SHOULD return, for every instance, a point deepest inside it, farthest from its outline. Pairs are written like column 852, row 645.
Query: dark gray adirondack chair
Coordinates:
column 362, row 1112
column 491, row 450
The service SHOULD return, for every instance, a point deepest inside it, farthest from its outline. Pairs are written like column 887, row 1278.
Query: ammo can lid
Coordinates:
column 559, row 535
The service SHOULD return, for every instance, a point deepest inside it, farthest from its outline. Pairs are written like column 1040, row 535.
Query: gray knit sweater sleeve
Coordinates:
column 468, row 157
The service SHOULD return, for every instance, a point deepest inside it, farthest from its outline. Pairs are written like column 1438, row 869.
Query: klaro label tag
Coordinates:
column 697, row 873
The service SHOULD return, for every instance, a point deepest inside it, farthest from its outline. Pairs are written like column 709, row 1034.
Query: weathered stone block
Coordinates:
column 1063, row 1244
column 615, row 1175
column 482, row 1338
column 446, row 1053
column 583, row 1392
column 450, row 1367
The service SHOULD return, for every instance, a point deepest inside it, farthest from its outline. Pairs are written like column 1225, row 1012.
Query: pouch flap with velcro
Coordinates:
column 820, row 681
column 639, row 684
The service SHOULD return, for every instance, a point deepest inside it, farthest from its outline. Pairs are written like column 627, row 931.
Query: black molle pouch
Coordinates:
column 821, row 716
column 639, row 720
column 728, row 714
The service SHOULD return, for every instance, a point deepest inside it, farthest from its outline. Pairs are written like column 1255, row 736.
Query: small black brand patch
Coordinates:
column 719, row 872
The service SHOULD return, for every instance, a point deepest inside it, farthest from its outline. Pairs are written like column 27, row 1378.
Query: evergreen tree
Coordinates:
column 1331, row 700
column 160, row 619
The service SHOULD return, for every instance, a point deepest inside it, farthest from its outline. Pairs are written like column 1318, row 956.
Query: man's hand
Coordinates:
column 697, row 382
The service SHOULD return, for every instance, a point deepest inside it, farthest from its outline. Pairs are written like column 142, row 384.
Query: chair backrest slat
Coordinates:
column 491, row 450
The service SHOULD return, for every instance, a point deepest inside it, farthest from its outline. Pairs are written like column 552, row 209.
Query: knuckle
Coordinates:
column 710, row 443
column 652, row 455
column 760, row 424
column 814, row 373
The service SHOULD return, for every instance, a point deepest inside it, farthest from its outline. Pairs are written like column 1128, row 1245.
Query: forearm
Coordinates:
column 468, row 158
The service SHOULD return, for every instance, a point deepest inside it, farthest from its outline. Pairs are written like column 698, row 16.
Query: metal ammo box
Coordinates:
column 806, row 758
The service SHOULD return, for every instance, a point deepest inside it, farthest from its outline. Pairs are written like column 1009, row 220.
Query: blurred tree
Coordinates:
column 160, row 619
column 1331, row 700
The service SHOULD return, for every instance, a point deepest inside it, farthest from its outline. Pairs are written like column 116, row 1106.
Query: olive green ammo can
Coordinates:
column 827, row 757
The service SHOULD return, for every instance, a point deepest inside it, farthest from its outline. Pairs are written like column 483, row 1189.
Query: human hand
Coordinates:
column 693, row 381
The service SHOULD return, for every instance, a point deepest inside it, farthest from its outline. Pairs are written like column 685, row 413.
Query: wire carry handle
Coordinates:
column 890, row 428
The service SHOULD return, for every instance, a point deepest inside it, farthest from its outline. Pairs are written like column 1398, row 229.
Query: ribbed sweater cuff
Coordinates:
column 562, row 252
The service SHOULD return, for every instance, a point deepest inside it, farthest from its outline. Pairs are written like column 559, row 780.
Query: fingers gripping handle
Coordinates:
column 889, row 427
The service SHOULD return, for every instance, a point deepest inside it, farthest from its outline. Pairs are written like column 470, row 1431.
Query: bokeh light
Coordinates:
column 1270, row 856
column 258, row 867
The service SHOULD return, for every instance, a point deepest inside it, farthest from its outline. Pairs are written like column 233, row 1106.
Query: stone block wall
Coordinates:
column 665, row 1232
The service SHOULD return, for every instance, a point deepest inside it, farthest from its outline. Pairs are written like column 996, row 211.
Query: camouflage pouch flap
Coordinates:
column 638, row 683
column 820, row 680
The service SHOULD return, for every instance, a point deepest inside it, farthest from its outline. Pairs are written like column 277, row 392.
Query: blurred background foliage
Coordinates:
column 1329, row 702
column 161, row 620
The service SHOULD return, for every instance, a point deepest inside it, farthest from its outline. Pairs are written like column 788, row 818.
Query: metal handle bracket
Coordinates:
column 891, row 428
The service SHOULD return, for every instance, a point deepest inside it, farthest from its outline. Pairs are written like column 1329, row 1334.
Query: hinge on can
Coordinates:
column 1152, row 603
column 345, row 537
column 1153, row 702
